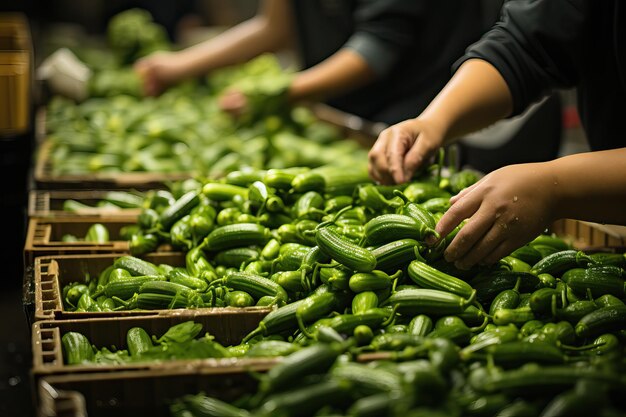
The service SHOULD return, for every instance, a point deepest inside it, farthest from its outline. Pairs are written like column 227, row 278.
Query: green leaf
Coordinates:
column 181, row 333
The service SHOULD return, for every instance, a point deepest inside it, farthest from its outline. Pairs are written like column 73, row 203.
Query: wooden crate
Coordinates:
column 227, row 325
column 44, row 179
column 16, row 74
column 590, row 236
column 49, row 204
column 143, row 392
column 352, row 127
column 60, row 403
column 43, row 237
column 52, row 273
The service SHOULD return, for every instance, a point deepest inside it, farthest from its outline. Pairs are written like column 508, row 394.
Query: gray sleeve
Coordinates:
column 536, row 47
column 384, row 31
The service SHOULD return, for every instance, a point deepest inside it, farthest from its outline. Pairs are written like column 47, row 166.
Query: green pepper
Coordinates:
column 127, row 232
column 106, row 303
column 73, row 292
column 240, row 299
column 180, row 233
column 86, row 303
column 514, row 264
column 143, row 243
column 453, row 328
column 159, row 199
column 148, row 218
column 198, row 266
column 200, row 225
column 605, row 344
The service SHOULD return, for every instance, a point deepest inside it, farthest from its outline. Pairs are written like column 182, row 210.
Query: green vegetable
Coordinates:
column 76, row 348
column 343, row 251
column 133, row 34
column 98, row 233
column 138, row 341
column 428, row 277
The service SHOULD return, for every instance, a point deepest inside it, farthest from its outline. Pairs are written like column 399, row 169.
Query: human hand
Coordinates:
column 403, row 148
column 159, row 71
column 505, row 210
column 234, row 102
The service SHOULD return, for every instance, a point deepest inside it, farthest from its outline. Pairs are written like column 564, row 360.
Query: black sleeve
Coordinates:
column 536, row 46
column 385, row 31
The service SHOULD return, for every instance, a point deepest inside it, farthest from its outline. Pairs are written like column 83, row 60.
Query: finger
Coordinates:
column 463, row 192
column 417, row 156
column 149, row 86
column 505, row 248
column 377, row 167
column 374, row 171
column 396, row 150
column 140, row 66
column 458, row 212
column 225, row 102
column 143, row 72
column 471, row 233
column 230, row 103
column 485, row 246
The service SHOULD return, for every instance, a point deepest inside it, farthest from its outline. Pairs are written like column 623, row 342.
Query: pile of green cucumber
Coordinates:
column 251, row 239
column 97, row 233
column 184, row 130
column 344, row 263
column 178, row 342
column 431, row 380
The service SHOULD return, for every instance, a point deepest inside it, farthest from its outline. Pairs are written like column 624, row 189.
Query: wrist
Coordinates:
column 435, row 126
column 303, row 87
column 552, row 186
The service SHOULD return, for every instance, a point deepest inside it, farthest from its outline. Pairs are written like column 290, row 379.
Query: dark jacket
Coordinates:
column 410, row 44
column 543, row 45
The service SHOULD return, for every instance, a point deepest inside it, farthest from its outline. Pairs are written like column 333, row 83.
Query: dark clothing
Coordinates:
column 410, row 45
column 541, row 45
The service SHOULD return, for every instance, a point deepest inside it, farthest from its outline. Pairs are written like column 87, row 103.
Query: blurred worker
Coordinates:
column 381, row 60
column 538, row 45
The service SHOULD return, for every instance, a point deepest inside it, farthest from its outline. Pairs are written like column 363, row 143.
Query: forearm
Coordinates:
column 269, row 31
column 342, row 72
column 591, row 186
column 474, row 98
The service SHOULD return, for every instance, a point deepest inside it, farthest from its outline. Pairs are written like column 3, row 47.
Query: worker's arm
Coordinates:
column 511, row 206
column 474, row 98
column 270, row 30
column 344, row 71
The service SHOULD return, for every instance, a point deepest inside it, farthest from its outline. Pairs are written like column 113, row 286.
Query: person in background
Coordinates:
column 537, row 46
column 381, row 60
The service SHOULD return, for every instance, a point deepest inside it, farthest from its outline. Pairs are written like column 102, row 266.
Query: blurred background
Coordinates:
column 74, row 24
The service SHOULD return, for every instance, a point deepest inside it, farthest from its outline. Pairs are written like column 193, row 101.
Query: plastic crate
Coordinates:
column 49, row 204
column 52, row 273
column 227, row 325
